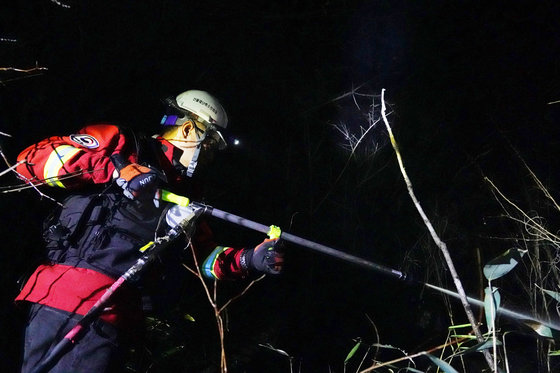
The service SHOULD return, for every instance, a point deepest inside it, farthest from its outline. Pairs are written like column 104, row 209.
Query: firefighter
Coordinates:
column 112, row 176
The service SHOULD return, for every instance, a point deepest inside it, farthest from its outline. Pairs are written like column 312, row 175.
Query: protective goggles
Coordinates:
column 209, row 134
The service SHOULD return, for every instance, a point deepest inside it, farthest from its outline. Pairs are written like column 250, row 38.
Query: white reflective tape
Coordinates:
column 55, row 162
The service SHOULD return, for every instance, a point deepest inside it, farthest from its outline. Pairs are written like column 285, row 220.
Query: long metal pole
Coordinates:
column 304, row 242
column 238, row 220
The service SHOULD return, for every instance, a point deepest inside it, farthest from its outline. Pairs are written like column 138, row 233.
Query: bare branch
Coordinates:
column 347, row 94
column 352, row 141
column 12, row 168
column 218, row 311
column 29, row 70
column 231, row 300
column 442, row 245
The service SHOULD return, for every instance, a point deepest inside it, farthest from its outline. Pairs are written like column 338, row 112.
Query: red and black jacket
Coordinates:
column 95, row 236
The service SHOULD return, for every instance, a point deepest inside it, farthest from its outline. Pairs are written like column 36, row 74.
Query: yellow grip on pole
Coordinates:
column 274, row 232
column 174, row 198
column 146, row 246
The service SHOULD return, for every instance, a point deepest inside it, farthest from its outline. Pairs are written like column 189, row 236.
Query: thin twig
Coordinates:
column 218, row 311
column 537, row 181
column 11, row 168
column 410, row 357
column 41, row 194
column 530, row 222
column 40, row 182
column 33, row 71
column 212, row 301
column 233, row 299
column 353, row 92
column 27, row 76
column 36, row 68
column 354, row 143
column 377, row 339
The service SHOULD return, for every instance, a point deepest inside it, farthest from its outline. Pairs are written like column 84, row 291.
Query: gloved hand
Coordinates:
column 138, row 182
column 265, row 258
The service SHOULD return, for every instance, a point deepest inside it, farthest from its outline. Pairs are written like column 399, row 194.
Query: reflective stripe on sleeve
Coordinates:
column 55, row 162
column 210, row 262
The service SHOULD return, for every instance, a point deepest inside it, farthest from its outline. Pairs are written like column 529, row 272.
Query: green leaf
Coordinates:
column 442, row 364
column 491, row 306
column 486, row 345
column 554, row 353
column 553, row 294
column 479, row 347
column 543, row 330
column 501, row 265
column 459, row 326
column 189, row 317
column 172, row 351
column 352, row 352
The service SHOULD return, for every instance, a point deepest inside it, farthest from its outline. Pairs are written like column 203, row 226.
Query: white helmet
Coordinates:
column 206, row 106
column 202, row 104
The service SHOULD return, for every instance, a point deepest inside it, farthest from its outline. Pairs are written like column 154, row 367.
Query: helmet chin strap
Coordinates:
column 194, row 160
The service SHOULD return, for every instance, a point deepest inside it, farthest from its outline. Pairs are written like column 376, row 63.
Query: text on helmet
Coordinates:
column 206, row 104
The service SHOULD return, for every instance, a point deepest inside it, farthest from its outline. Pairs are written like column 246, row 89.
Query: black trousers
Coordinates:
column 97, row 351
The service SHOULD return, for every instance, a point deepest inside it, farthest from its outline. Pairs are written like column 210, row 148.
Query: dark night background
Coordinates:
column 469, row 84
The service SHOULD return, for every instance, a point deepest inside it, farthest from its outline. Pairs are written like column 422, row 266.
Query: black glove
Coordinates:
column 138, row 182
column 265, row 258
